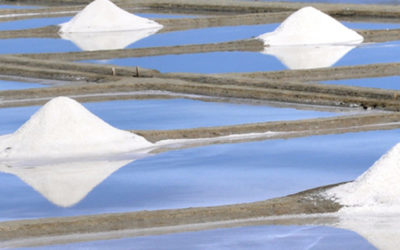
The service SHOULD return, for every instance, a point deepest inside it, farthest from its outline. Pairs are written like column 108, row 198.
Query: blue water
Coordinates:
column 230, row 62
column 254, row 237
column 9, row 6
column 390, row 82
column 13, row 85
column 213, row 175
column 170, row 114
column 32, row 23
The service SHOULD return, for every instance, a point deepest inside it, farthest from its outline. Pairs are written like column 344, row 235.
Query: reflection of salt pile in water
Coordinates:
column 107, row 40
column 67, row 183
column 308, row 57
column 291, row 41
column 103, row 25
column 64, row 128
column 376, row 190
column 381, row 231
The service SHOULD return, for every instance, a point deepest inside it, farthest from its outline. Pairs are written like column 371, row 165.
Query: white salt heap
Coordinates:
column 64, row 128
column 377, row 190
column 310, row 26
column 103, row 15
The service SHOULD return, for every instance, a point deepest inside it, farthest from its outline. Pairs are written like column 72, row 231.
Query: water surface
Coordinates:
column 256, row 237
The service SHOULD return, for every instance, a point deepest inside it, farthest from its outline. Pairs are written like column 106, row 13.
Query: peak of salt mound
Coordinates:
column 64, row 128
column 103, row 15
column 377, row 187
column 309, row 26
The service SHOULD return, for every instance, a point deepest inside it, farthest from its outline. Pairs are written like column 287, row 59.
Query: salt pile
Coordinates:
column 64, row 128
column 310, row 26
column 66, row 183
column 377, row 190
column 103, row 15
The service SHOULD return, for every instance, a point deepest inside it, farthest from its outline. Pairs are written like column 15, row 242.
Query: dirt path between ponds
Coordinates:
column 251, row 89
column 24, row 232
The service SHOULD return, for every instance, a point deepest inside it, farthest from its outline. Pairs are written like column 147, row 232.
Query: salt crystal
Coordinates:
column 103, row 15
column 310, row 26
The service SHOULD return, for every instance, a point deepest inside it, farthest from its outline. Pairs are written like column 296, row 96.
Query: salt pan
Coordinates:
column 64, row 128
column 375, row 190
column 310, row 26
column 103, row 15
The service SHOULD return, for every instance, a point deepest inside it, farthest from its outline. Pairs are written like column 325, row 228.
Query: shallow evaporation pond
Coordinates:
column 171, row 114
column 271, row 59
column 389, row 82
column 251, row 237
column 31, row 23
column 14, row 85
column 9, row 6
column 203, row 176
column 198, row 36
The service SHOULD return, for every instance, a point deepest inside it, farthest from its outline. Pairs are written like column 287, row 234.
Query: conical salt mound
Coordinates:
column 378, row 186
column 309, row 26
column 64, row 128
column 103, row 15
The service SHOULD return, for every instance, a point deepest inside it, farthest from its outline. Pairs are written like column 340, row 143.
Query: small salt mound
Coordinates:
column 310, row 26
column 378, row 187
column 64, row 128
column 103, row 15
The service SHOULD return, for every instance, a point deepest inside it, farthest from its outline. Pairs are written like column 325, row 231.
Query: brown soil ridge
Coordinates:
column 300, row 93
column 307, row 202
column 283, row 129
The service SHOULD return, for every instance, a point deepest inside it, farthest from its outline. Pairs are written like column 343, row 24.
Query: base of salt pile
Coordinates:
column 64, row 128
column 309, row 26
column 377, row 190
column 103, row 15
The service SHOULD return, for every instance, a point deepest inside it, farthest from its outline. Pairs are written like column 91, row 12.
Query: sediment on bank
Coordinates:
column 301, row 93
